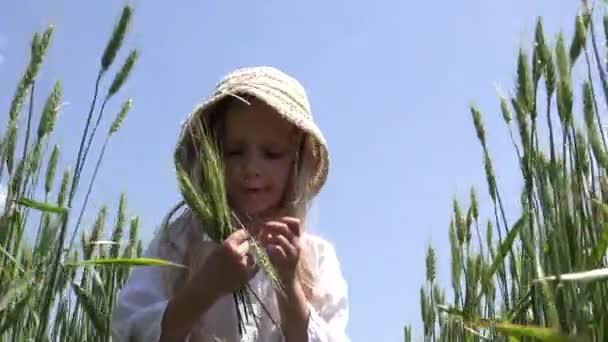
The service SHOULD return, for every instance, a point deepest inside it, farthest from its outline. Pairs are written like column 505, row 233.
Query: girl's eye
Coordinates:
column 273, row 155
column 234, row 152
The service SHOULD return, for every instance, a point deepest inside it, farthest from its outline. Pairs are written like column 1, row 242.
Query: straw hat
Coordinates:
column 282, row 92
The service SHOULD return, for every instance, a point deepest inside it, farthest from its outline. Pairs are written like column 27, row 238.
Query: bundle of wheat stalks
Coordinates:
column 206, row 197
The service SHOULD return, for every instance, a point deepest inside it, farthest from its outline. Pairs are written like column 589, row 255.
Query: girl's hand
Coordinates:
column 228, row 267
column 282, row 241
column 225, row 269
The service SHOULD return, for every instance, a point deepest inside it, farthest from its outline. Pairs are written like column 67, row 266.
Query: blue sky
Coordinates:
column 390, row 83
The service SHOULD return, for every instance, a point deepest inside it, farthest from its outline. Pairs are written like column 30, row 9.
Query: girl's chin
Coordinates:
column 258, row 213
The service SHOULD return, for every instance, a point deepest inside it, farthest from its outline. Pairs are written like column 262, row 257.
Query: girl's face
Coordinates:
column 258, row 155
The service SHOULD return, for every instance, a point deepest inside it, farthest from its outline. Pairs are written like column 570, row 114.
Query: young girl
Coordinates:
column 276, row 162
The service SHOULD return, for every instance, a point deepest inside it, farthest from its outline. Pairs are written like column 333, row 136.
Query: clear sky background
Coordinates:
column 390, row 83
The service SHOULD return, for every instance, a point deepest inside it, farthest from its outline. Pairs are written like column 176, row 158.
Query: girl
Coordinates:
column 276, row 162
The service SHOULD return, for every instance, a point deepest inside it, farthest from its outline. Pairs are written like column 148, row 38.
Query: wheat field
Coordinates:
column 541, row 277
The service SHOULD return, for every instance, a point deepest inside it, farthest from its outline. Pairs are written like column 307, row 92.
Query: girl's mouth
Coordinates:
column 254, row 191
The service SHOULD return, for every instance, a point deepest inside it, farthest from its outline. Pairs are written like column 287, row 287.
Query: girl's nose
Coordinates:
column 251, row 166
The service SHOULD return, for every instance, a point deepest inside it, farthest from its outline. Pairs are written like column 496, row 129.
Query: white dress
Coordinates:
column 141, row 303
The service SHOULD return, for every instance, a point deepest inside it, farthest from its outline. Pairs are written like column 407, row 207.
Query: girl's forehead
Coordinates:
column 256, row 117
column 253, row 109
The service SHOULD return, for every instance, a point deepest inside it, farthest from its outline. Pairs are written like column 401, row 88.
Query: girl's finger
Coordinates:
column 242, row 249
column 293, row 224
column 278, row 228
column 280, row 240
column 276, row 252
column 238, row 237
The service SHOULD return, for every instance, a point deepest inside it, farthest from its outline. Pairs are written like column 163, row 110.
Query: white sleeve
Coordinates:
column 141, row 303
column 329, row 312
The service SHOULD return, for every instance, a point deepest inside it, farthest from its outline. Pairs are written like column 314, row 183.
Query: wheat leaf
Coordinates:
column 45, row 207
column 126, row 262
column 506, row 246
column 586, row 276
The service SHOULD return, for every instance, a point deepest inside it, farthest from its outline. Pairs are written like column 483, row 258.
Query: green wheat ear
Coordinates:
column 120, row 117
column 123, row 73
column 578, row 42
column 61, row 197
column 117, row 38
column 193, row 200
column 264, row 261
column 538, row 60
column 51, row 170
column 49, row 113
column 431, row 265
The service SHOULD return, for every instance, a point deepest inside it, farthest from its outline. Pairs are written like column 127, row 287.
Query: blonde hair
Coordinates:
column 296, row 199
